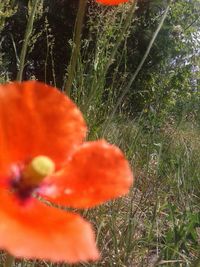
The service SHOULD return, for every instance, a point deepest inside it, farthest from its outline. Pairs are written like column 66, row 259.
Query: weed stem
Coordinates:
column 9, row 260
column 28, row 32
column 76, row 45
column 138, row 68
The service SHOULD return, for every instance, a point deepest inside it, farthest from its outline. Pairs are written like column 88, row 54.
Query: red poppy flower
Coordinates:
column 42, row 154
column 111, row 2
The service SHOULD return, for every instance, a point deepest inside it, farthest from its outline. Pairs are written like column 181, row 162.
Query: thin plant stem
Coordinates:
column 9, row 260
column 33, row 263
column 120, row 38
column 28, row 32
column 118, row 42
column 138, row 68
column 76, row 45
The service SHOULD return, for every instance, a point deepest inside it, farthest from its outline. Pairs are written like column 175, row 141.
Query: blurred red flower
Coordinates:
column 111, row 2
column 39, row 124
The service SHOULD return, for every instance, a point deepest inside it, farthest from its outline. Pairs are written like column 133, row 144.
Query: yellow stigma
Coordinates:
column 38, row 169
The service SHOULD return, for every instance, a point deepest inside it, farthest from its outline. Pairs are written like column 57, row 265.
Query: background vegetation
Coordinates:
column 153, row 115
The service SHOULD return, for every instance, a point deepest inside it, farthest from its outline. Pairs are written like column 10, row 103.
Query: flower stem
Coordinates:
column 28, row 32
column 76, row 45
column 9, row 260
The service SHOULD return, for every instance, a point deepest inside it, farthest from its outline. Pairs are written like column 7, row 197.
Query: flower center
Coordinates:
column 25, row 181
column 37, row 170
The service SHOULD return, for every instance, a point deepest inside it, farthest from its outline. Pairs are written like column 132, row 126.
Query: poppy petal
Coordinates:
column 34, row 230
column 111, row 2
column 97, row 172
column 36, row 119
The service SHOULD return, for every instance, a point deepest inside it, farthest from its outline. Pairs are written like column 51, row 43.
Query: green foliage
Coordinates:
column 182, row 237
column 6, row 10
column 169, row 73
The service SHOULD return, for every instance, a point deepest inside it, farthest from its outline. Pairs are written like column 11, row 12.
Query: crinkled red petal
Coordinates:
column 34, row 230
column 36, row 119
column 96, row 173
